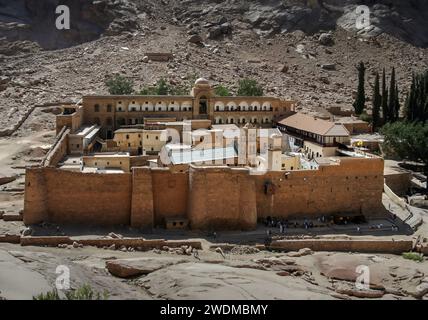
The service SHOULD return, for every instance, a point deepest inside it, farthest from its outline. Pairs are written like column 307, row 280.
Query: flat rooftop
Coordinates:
column 368, row 137
column 128, row 130
column 327, row 161
column 84, row 131
column 199, row 155
column 96, row 170
column 109, row 155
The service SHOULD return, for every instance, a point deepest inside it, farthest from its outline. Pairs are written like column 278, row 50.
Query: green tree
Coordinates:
column 162, row 88
column 392, row 98
column 360, row 101
column 384, row 98
column 416, row 108
column 148, row 91
column 407, row 140
column 410, row 104
column 249, row 87
column 119, row 85
column 396, row 104
column 377, row 103
column 222, row 91
column 178, row 90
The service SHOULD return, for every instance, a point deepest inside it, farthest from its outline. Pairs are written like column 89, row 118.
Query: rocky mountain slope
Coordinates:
column 34, row 20
column 282, row 44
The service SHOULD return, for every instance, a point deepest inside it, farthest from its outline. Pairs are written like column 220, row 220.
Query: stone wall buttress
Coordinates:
column 142, row 210
column 35, row 202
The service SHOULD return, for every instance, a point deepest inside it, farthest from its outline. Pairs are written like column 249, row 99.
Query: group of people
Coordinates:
column 284, row 224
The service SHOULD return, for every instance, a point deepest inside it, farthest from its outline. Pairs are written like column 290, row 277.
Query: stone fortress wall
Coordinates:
column 209, row 197
column 58, row 150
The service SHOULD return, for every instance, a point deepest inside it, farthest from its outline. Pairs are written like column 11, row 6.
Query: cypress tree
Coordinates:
column 384, row 98
column 396, row 103
column 360, row 101
column 409, row 108
column 391, row 102
column 417, row 99
column 377, row 103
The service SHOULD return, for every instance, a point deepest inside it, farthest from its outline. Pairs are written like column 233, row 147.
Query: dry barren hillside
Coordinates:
column 276, row 42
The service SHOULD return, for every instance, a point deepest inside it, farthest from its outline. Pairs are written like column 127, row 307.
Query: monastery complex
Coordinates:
column 199, row 161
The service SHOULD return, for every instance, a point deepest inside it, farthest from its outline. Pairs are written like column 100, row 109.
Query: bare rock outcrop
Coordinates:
column 125, row 268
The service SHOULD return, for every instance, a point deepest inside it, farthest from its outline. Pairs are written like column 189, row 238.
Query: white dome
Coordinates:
column 202, row 81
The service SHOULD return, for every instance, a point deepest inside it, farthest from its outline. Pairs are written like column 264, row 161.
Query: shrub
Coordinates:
column 222, row 91
column 365, row 117
column 162, row 88
column 249, row 87
column 84, row 292
column 148, row 91
column 120, row 85
column 413, row 256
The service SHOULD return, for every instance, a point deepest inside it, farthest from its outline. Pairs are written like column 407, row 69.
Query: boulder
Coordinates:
column 326, row 39
column 197, row 39
column 302, row 252
column 420, row 290
column 214, row 32
column 222, row 20
column 275, row 261
column 125, row 268
column 283, row 68
column 226, row 28
column 373, row 294
column 328, row 66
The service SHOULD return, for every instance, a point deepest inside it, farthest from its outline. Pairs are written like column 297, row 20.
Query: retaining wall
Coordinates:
column 369, row 246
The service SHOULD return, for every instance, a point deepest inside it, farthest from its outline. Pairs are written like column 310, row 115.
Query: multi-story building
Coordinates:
column 316, row 137
column 113, row 112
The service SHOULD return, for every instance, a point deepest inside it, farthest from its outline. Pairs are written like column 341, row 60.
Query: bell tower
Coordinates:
column 202, row 93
